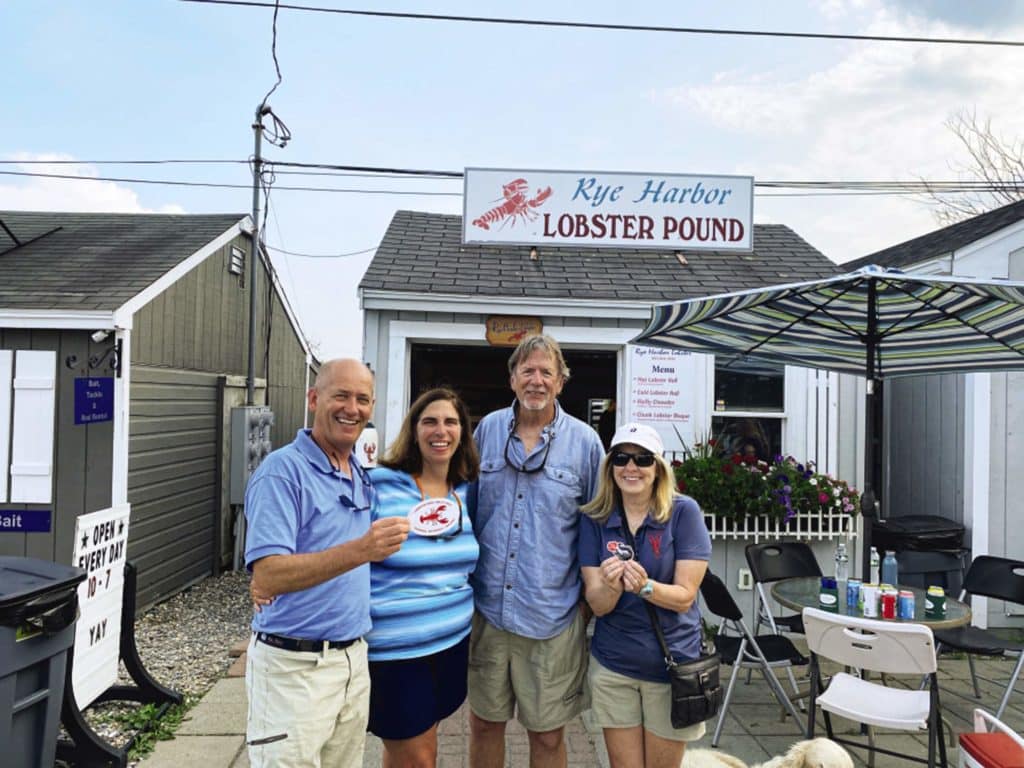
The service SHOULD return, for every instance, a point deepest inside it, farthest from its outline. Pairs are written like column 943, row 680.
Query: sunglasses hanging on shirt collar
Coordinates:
column 543, row 457
column 367, row 491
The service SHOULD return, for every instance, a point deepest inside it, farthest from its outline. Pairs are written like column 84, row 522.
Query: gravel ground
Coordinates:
column 184, row 644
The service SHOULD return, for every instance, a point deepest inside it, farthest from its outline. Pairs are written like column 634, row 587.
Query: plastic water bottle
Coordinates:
column 842, row 562
column 890, row 571
column 876, row 562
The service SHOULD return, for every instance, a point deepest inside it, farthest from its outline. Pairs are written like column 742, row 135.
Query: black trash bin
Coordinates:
column 38, row 609
column 929, row 550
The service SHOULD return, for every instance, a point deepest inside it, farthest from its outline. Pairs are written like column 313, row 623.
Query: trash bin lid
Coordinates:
column 25, row 578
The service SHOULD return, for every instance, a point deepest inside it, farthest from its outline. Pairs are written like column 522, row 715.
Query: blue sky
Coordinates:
column 158, row 79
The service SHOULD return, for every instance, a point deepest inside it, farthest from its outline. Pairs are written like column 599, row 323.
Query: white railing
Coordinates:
column 820, row 525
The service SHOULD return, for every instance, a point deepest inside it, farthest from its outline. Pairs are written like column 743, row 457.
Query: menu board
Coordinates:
column 661, row 392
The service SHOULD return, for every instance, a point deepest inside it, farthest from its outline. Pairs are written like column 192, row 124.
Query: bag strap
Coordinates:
column 651, row 613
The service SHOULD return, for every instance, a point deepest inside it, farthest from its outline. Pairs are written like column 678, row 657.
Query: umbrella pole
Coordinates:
column 869, row 502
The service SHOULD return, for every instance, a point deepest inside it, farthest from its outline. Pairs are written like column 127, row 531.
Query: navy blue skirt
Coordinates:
column 408, row 696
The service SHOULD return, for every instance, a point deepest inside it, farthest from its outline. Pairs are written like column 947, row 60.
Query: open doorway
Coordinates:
column 480, row 375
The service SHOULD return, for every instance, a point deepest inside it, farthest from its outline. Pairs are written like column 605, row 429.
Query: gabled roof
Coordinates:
column 942, row 242
column 95, row 261
column 423, row 252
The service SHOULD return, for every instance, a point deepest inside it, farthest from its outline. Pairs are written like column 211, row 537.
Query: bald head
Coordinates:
column 342, row 403
column 342, row 366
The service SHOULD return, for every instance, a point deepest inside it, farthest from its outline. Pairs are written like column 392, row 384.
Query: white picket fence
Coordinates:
column 814, row 525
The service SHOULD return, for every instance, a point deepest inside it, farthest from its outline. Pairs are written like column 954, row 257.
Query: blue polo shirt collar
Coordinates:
column 614, row 521
column 313, row 453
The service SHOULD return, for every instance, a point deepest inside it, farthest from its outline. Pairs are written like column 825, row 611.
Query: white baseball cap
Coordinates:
column 639, row 434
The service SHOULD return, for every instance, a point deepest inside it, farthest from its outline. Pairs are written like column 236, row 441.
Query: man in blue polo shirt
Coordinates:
column 309, row 542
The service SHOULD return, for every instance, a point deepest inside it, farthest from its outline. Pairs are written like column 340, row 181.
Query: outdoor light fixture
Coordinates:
column 113, row 352
column 99, row 336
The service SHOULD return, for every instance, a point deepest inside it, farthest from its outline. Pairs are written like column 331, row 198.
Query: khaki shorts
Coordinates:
column 541, row 682
column 625, row 702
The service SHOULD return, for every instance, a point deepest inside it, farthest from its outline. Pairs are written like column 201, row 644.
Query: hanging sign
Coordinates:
column 508, row 330
column 25, row 520
column 101, row 540
column 608, row 210
column 94, row 399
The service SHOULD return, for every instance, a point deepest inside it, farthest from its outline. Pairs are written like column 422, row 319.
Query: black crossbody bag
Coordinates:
column 696, row 690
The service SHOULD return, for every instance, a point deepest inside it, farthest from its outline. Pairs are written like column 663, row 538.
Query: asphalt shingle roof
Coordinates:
column 943, row 241
column 424, row 252
column 95, row 261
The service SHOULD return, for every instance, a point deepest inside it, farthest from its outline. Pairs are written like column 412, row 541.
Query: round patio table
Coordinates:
column 802, row 592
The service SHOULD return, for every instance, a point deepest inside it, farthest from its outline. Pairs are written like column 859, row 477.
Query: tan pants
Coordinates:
column 319, row 703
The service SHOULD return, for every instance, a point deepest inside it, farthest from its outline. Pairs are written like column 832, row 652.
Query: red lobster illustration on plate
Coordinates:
column 435, row 516
column 515, row 207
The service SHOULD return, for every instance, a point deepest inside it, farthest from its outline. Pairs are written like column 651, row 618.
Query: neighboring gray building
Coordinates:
column 953, row 443
column 172, row 293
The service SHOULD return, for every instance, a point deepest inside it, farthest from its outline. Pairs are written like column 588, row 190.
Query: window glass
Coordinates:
column 745, row 385
column 761, row 438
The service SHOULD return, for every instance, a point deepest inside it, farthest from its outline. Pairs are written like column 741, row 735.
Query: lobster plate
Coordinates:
column 433, row 517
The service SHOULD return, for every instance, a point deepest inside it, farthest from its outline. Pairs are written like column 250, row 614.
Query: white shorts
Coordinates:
column 318, row 702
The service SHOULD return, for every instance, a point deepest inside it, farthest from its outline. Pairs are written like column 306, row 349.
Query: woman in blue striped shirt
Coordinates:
column 421, row 603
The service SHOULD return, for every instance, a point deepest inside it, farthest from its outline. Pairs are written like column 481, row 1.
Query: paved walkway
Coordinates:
column 213, row 735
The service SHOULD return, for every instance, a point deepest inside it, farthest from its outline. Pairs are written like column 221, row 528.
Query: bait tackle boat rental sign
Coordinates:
column 613, row 210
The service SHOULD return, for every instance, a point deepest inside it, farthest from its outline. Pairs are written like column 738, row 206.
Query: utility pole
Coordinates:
column 257, row 167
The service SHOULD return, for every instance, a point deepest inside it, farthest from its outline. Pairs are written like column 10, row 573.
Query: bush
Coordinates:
column 737, row 487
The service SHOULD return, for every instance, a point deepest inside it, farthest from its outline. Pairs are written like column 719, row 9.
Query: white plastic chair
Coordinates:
column 985, row 722
column 876, row 646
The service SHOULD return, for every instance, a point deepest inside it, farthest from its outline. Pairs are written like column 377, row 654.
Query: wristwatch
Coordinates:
column 647, row 589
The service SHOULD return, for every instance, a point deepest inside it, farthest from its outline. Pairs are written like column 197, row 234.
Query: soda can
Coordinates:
column 905, row 607
column 888, row 605
column 869, row 600
column 852, row 593
column 935, row 602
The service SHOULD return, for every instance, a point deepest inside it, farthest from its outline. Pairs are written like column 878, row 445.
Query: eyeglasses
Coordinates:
column 621, row 459
column 522, row 467
column 367, row 492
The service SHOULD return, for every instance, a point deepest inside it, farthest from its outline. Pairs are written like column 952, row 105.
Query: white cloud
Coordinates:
column 35, row 193
column 875, row 113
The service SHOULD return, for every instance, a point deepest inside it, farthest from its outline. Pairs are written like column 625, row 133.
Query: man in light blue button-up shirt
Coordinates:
column 538, row 464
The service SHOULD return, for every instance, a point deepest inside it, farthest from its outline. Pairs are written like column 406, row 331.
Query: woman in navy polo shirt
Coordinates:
column 421, row 603
column 629, row 684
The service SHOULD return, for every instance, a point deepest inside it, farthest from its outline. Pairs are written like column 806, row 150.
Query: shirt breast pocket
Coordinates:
column 562, row 491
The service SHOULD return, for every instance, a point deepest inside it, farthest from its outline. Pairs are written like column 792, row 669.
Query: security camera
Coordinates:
column 99, row 336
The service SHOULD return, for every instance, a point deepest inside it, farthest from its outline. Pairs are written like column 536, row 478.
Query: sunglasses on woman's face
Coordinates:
column 621, row 459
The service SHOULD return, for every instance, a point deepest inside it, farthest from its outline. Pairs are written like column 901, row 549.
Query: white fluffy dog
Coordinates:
column 816, row 753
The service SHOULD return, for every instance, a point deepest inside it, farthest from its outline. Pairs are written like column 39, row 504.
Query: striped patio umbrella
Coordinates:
column 873, row 322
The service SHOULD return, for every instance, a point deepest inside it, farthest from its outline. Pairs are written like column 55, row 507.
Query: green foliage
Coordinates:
column 152, row 723
column 737, row 487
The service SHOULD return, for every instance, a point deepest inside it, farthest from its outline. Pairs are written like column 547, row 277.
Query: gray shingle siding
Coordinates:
column 95, row 261
column 424, row 251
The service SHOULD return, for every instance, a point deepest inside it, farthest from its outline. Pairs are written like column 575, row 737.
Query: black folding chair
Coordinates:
column 1002, row 579
column 775, row 561
column 744, row 649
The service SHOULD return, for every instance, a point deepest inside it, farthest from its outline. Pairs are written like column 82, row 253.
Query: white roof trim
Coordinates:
column 70, row 319
column 124, row 313
column 482, row 304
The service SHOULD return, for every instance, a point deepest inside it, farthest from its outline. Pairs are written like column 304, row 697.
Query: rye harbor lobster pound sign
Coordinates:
column 612, row 210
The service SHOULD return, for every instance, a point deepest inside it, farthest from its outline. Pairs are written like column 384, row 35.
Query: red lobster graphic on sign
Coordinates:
column 436, row 516
column 515, row 207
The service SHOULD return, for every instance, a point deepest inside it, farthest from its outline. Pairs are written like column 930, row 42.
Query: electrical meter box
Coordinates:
column 250, row 444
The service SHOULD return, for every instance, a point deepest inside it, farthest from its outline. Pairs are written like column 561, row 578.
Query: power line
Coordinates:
column 320, row 255
column 214, row 185
column 124, row 162
column 614, row 27
column 817, row 188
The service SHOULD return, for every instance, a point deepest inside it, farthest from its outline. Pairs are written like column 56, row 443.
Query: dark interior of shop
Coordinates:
column 480, row 376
